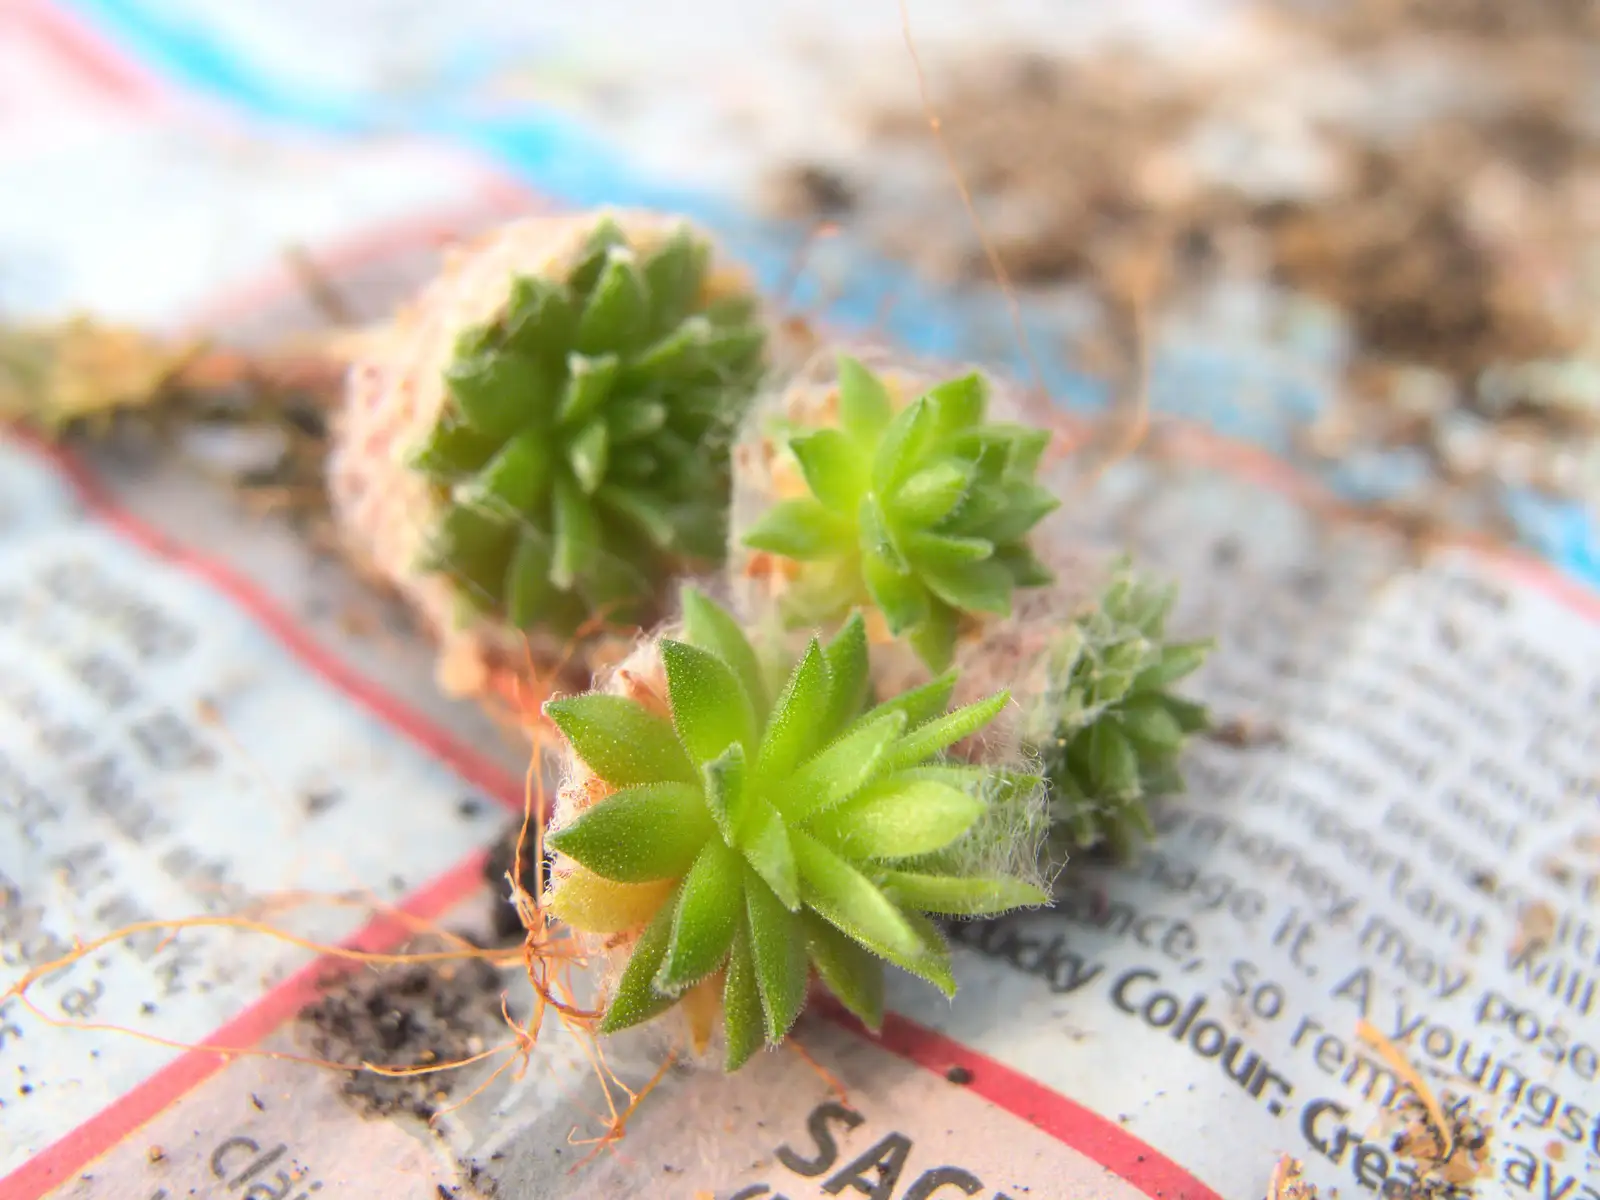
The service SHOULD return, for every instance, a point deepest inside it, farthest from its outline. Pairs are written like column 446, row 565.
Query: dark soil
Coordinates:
column 407, row 1016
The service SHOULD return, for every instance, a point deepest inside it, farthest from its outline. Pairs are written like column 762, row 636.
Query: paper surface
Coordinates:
column 1410, row 840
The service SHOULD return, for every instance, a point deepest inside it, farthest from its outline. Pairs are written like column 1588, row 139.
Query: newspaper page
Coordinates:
column 1372, row 916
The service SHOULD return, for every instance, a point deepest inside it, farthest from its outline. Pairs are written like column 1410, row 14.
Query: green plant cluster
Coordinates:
column 583, row 452
column 800, row 829
column 922, row 513
column 1108, row 728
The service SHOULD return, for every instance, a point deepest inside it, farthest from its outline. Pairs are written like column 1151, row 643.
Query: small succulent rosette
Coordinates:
column 1094, row 674
column 727, row 831
column 542, row 436
column 885, row 488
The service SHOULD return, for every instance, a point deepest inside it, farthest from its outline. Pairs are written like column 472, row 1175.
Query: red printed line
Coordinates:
column 1069, row 1122
column 86, row 52
column 51, row 1167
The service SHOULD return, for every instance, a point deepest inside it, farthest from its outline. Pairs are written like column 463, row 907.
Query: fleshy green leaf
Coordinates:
column 709, row 909
column 929, row 495
column 741, row 1004
column 618, row 311
column 709, row 707
column 672, row 272
column 709, row 626
column 1113, row 760
column 636, row 999
column 847, row 969
column 898, row 819
column 841, row 769
column 958, row 403
column 577, row 533
column 764, row 838
column 832, row 467
column 864, row 405
column 939, row 734
column 974, row 586
column 496, row 392
column 620, row 740
column 795, row 728
column 801, row 529
column 902, row 442
column 962, row 897
column 1177, row 661
column 589, row 382
column 652, row 831
column 934, row 638
column 780, row 957
column 725, row 790
column 586, row 455
column 848, row 671
column 852, row 903
column 1150, row 726
column 529, row 593
column 515, row 479
column 901, row 596
column 920, row 704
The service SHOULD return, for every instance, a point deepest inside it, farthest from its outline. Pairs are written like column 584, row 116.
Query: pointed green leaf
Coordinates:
column 833, row 468
column 474, row 548
column 452, row 450
column 1191, row 717
column 578, row 541
column 1112, row 760
column 586, row 455
column 620, row 740
column 679, row 356
column 710, row 709
column 901, row 448
column 1025, row 505
column 934, row 638
column 726, row 790
column 878, row 534
column 929, row 495
column 947, row 552
column 1027, row 448
column 900, row 596
column 849, row 677
column 851, row 902
column 898, row 819
column 539, row 318
column 865, row 408
column 673, row 272
column 801, row 529
column 710, row 908
column 958, row 404
column 1151, row 727
column 847, row 969
column 589, row 382
column 607, row 235
column 635, row 419
column 920, row 704
column 641, row 511
column 841, row 769
column 636, row 999
column 617, row 315
column 710, row 626
column 764, row 839
column 529, row 593
column 741, row 1004
column 653, row 831
column 499, row 393
column 927, row 740
column 1025, row 568
column 795, row 729
column 934, row 963
column 515, row 480
column 1177, row 660
column 779, row 946
column 951, row 896
column 972, row 587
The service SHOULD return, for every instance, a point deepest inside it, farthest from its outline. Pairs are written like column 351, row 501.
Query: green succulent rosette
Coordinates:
column 757, row 834
column 1108, row 728
column 923, row 513
column 582, row 455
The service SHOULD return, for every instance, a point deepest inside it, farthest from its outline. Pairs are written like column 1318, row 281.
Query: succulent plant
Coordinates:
column 922, row 513
column 544, row 435
column 1106, row 727
column 746, row 834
